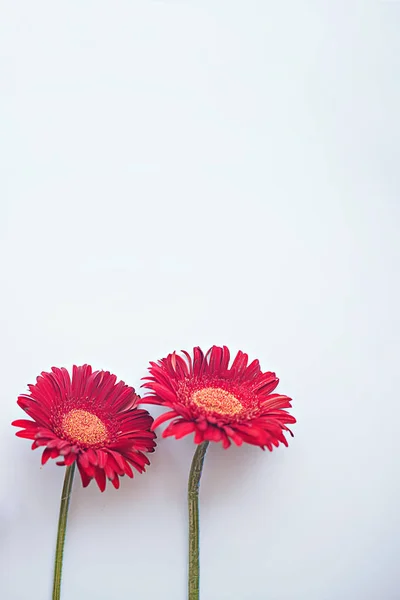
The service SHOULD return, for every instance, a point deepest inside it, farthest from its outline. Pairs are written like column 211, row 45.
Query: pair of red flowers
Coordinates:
column 95, row 421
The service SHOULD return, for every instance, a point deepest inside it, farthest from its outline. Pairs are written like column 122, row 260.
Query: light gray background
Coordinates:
column 176, row 173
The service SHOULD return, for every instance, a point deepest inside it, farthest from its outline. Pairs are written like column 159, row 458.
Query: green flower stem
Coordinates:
column 62, row 525
column 193, row 505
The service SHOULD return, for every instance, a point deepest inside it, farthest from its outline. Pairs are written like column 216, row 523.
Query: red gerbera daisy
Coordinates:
column 91, row 420
column 219, row 402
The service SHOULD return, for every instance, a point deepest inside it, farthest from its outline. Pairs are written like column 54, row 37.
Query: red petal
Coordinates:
column 102, row 456
column 239, row 364
column 225, row 440
column 29, row 434
column 115, row 482
column 213, row 434
column 70, row 458
column 183, row 428
column 100, row 477
column 163, row 393
column 92, row 456
column 25, row 423
column 215, row 360
column 198, row 438
column 151, row 399
column 47, row 452
column 164, row 417
column 84, row 475
column 237, row 439
column 198, row 361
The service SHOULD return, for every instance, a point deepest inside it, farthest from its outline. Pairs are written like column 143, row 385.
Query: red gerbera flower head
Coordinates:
column 219, row 402
column 90, row 419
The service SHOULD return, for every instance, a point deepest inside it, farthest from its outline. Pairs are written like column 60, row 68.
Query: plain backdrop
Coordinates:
column 178, row 173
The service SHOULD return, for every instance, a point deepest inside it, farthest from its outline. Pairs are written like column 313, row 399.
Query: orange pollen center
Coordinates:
column 84, row 427
column 217, row 400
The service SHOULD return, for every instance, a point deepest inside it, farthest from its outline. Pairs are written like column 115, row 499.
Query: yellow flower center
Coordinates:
column 84, row 427
column 217, row 400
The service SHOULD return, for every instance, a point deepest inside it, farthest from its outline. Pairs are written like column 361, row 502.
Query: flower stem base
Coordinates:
column 193, row 506
column 62, row 526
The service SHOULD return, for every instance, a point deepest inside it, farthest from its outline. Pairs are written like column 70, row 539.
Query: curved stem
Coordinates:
column 62, row 525
column 193, row 505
